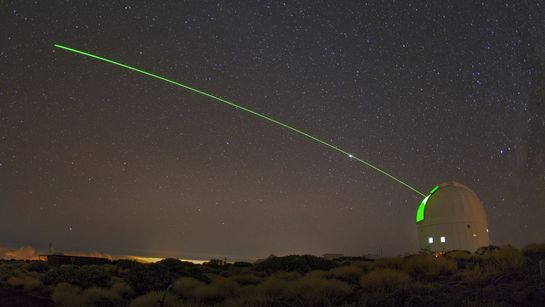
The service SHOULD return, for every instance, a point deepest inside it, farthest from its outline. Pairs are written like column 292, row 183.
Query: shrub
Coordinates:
column 219, row 289
column 93, row 276
column 127, row 264
column 312, row 288
column 252, row 299
column 26, row 282
column 154, row 298
column 534, row 249
column 426, row 266
column 384, row 280
column 102, row 297
column 209, row 293
column 320, row 291
column 486, row 250
column 508, row 258
column 295, row 263
column 349, row 273
column 388, row 263
column 229, row 285
column 242, row 264
column 479, row 274
column 184, row 286
column 458, row 255
column 150, row 299
column 286, row 275
column 247, row 279
column 122, row 289
column 319, row 274
column 278, row 286
column 36, row 266
column 151, row 277
column 84, row 277
column 65, row 294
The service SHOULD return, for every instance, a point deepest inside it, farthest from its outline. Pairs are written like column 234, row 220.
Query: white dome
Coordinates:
column 452, row 217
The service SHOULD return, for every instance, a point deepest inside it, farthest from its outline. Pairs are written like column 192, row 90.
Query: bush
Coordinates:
column 247, row 279
column 278, row 286
column 242, row 264
column 65, row 294
column 286, row 275
column 295, row 263
column 384, row 280
column 349, row 273
column 229, row 285
column 312, row 289
column 486, row 250
column 320, row 291
column 122, row 289
column 534, row 249
column 127, row 264
column 84, row 277
column 426, row 266
column 479, row 274
column 26, row 282
column 36, row 266
column 154, row 298
column 102, row 297
column 209, row 293
column 508, row 258
column 184, row 286
column 218, row 290
column 459, row 255
column 388, row 263
column 150, row 299
column 151, row 277
column 252, row 299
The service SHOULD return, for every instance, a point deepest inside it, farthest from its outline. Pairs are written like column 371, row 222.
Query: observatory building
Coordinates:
column 451, row 217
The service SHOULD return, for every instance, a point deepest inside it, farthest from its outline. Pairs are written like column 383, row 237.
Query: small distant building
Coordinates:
column 332, row 256
column 451, row 217
column 58, row 260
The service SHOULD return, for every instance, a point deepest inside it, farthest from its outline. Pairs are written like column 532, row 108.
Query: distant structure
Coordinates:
column 58, row 260
column 451, row 217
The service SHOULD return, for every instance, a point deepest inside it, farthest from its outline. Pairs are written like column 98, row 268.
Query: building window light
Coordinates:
column 443, row 240
column 430, row 240
column 474, row 234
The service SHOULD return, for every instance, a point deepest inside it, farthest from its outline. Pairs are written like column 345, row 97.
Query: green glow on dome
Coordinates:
column 422, row 207
column 241, row 108
column 434, row 189
column 420, row 212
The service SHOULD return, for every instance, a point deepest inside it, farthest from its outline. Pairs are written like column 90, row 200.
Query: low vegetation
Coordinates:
column 495, row 276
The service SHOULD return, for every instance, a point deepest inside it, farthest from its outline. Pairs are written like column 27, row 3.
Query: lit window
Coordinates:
column 486, row 229
column 430, row 240
column 474, row 234
column 443, row 240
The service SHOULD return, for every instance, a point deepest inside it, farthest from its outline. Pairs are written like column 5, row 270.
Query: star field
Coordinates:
column 96, row 157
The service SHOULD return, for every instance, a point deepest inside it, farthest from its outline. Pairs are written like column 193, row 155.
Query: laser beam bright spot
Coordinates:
column 241, row 108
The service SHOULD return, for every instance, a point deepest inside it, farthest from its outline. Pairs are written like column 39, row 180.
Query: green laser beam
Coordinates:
column 236, row 106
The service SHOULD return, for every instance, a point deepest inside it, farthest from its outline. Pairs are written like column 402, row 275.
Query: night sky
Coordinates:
column 95, row 157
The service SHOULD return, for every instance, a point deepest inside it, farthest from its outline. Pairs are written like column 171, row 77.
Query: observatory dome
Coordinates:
column 452, row 217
